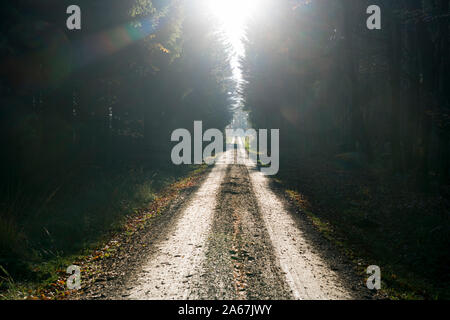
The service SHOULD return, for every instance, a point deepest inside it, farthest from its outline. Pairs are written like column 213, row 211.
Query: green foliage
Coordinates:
column 142, row 8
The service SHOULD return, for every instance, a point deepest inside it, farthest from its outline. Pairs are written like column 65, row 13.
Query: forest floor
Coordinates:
column 375, row 218
column 229, row 236
column 75, row 216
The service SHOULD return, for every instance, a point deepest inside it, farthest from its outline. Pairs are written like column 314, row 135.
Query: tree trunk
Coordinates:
column 358, row 130
column 394, row 75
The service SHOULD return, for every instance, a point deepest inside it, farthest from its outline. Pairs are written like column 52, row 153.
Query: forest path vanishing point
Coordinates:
column 236, row 238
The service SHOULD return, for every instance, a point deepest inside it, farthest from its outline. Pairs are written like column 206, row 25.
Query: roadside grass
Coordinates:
column 39, row 240
column 247, row 147
column 254, row 152
column 375, row 221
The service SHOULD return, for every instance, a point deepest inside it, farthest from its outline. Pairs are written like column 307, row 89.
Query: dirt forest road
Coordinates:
column 235, row 238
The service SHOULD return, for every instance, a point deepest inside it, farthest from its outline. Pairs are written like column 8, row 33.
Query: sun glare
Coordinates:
column 233, row 15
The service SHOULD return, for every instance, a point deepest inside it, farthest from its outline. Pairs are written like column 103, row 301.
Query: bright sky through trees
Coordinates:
column 232, row 16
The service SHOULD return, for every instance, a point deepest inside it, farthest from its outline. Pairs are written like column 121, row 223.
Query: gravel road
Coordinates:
column 237, row 238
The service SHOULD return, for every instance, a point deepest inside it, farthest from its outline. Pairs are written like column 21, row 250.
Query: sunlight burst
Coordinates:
column 233, row 15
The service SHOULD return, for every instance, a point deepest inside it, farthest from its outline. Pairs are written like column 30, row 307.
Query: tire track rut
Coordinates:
column 240, row 261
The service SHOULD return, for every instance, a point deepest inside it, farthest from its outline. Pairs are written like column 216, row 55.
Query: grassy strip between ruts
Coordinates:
column 54, row 286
